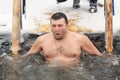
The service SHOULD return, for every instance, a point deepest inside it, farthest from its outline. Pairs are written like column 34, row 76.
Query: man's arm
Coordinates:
column 36, row 47
column 88, row 46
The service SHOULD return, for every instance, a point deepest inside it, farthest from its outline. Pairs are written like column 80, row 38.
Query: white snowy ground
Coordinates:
column 36, row 10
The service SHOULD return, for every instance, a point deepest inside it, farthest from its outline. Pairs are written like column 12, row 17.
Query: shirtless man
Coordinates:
column 61, row 46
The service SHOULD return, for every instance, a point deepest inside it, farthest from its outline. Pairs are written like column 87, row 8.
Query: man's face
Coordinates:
column 59, row 28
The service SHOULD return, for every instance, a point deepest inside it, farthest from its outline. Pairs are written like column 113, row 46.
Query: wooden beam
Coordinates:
column 16, row 27
column 108, row 26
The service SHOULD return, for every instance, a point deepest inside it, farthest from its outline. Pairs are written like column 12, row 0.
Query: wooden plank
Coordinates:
column 108, row 26
column 16, row 27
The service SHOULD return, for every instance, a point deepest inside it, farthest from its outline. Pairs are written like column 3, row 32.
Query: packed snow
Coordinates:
column 36, row 9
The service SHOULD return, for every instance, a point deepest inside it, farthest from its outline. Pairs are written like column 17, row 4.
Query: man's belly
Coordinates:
column 63, row 62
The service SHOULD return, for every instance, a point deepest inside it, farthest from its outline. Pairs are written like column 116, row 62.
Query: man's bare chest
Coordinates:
column 69, row 49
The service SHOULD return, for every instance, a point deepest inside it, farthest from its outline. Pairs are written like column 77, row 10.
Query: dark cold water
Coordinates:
column 90, row 68
column 33, row 67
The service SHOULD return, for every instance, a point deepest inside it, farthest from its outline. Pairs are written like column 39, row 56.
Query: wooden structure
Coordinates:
column 108, row 26
column 16, row 27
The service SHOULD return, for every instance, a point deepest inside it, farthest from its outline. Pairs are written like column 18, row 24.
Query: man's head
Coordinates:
column 59, row 25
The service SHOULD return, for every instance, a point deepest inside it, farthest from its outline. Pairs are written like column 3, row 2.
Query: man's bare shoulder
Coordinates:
column 83, row 36
column 79, row 35
column 44, row 37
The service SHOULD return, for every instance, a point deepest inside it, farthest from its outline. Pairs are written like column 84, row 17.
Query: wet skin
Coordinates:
column 61, row 46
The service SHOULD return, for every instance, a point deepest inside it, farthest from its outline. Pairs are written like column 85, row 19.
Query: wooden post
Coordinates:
column 108, row 26
column 16, row 27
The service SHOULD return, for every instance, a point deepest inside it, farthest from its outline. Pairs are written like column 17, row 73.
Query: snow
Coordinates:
column 36, row 9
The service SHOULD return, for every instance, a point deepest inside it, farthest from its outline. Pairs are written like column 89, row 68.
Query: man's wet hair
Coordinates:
column 59, row 15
